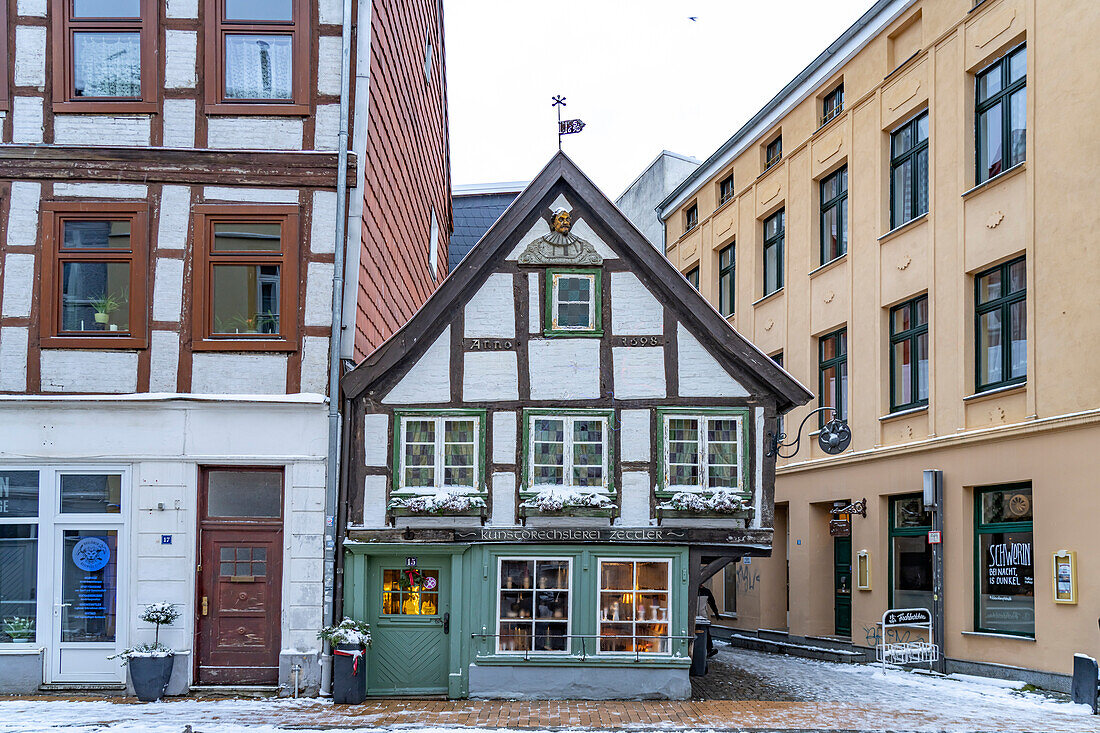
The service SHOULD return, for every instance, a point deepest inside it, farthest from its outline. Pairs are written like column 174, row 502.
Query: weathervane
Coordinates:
column 565, row 127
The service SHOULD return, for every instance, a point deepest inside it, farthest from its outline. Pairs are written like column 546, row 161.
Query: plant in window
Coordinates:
column 20, row 629
column 719, row 502
column 442, row 502
column 106, row 305
column 556, row 500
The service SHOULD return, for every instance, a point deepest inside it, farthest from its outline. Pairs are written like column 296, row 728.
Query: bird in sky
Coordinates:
column 693, row 18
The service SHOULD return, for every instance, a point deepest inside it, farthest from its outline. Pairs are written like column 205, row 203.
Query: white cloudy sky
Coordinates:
column 640, row 74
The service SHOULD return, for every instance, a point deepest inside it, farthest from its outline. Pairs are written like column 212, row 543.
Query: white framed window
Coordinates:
column 440, row 452
column 573, row 302
column 534, row 609
column 433, row 246
column 634, row 605
column 568, row 451
column 703, row 452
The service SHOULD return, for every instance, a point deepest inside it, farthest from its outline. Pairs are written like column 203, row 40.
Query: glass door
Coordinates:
column 90, row 574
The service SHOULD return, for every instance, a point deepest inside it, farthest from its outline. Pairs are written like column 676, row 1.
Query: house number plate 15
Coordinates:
column 410, row 562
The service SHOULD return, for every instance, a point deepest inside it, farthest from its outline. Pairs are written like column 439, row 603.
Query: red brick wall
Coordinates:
column 407, row 169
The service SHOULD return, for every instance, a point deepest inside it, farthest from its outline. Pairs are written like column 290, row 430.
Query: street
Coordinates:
column 745, row 690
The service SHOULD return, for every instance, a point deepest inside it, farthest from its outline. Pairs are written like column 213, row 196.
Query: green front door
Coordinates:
column 842, row 582
column 410, row 610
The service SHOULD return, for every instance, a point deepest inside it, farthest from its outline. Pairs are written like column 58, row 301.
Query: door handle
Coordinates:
column 205, row 606
column 447, row 623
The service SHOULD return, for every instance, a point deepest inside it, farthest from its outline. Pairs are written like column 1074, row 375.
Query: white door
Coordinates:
column 89, row 580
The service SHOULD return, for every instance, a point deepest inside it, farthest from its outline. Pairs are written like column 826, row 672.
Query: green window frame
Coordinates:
column 725, row 189
column 735, row 471
column 832, row 370
column 773, row 152
column 692, row 276
column 774, row 229
column 1000, row 328
column 572, row 421
column 832, row 104
column 457, row 461
column 834, row 215
column 909, row 171
column 691, row 217
column 592, row 294
column 727, row 281
column 909, row 521
column 909, row 354
column 1004, row 560
column 1000, row 114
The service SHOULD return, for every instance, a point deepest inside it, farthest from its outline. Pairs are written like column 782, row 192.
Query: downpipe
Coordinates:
column 332, row 473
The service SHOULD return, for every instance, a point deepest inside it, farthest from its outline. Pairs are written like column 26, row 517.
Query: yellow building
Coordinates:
column 910, row 225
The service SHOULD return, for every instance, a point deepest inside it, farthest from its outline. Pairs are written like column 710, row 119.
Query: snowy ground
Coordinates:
column 811, row 695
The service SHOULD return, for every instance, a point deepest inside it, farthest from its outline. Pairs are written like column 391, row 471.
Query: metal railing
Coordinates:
column 584, row 646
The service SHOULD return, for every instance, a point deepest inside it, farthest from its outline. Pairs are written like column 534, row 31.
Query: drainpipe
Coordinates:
column 332, row 474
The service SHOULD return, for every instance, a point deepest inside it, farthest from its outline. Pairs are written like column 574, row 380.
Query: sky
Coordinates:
column 641, row 74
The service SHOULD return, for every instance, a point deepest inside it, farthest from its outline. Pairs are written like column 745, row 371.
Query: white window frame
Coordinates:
column 433, row 245
column 440, row 473
column 569, row 604
column 634, row 623
column 554, row 301
column 567, row 451
column 704, row 456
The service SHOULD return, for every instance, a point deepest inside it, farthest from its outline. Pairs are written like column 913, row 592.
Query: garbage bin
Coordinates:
column 699, row 647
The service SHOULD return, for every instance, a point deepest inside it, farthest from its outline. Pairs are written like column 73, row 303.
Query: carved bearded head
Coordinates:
column 561, row 222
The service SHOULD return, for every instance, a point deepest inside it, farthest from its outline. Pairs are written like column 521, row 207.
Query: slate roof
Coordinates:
column 474, row 213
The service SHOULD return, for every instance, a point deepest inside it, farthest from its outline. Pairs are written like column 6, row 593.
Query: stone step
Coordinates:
column 234, row 690
column 88, row 688
column 807, row 651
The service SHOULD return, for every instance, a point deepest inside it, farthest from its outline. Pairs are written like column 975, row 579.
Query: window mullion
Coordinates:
column 704, row 454
column 567, row 452
column 440, row 443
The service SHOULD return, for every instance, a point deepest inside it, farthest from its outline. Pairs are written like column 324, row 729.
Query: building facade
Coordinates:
column 476, row 207
column 547, row 460
column 640, row 199
column 907, row 227
column 169, row 208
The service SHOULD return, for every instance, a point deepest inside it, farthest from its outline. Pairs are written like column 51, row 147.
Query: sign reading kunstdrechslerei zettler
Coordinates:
column 563, row 438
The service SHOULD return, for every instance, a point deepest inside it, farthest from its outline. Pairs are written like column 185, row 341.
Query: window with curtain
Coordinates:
column 833, row 375
column 834, row 215
column 568, row 451
column 773, row 252
column 727, row 282
column 1001, row 110
column 261, row 54
column 1000, row 305
column 440, row 452
column 106, row 60
column 909, row 171
column 909, row 354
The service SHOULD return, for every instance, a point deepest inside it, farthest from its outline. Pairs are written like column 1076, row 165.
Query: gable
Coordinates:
column 654, row 319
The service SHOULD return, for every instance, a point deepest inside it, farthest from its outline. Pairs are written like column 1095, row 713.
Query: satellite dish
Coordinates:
column 834, row 437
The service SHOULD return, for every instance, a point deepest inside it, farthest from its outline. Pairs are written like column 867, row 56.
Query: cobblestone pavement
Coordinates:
column 787, row 694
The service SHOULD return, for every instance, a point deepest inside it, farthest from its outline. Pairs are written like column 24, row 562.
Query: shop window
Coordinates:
column 832, row 104
column 692, row 276
column 1001, row 110
column 832, row 370
column 703, row 452
column 725, row 189
column 909, row 171
column 94, row 274
column 1004, row 564
column 727, row 282
column 246, row 278
column 573, row 304
column 634, row 606
column 533, row 605
column 1000, row 306
column 91, row 493
column 774, row 227
column 909, row 354
column 910, row 553
column 410, row 592
column 259, row 59
column 773, row 152
column 569, row 451
column 834, row 215
column 106, row 61
column 440, row 452
column 18, row 556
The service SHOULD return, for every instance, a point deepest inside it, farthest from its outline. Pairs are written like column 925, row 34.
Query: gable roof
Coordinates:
column 714, row 331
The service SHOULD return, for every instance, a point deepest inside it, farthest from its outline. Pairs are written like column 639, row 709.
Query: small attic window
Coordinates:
column 428, row 57
column 573, row 305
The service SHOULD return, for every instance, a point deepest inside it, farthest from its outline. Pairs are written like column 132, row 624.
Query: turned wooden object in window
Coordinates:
column 105, row 56
column 246, row 278
column 257, row 57
column 94, row 264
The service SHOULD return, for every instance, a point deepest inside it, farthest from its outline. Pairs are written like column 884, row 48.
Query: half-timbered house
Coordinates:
column 541, row 462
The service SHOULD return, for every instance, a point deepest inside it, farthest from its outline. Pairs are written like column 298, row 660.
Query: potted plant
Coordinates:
column 105, row 306
column 349, row 640
column 150, row 665
column 20, row 629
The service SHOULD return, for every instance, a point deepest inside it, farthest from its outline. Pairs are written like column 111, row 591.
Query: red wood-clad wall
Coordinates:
column 407, row 169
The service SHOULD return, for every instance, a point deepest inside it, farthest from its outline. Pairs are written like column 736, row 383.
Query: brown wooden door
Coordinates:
column 240, row 579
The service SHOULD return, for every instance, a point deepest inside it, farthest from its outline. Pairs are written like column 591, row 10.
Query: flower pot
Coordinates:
column 349, row 674
column 102, row 317
column 21, row 640
column 149, row 676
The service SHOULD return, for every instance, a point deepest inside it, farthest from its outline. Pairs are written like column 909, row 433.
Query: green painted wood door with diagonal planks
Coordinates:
column 410, row 621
